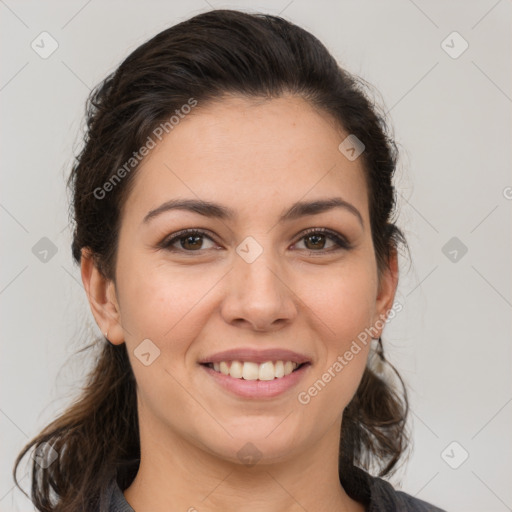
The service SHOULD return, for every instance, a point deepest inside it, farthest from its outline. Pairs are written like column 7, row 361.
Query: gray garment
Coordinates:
column 377, row 494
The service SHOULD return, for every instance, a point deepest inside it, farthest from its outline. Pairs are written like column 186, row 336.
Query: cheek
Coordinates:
column 161, row 303
column 343, row 301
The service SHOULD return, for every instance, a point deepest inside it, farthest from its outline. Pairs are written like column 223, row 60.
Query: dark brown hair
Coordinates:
column 210, row 55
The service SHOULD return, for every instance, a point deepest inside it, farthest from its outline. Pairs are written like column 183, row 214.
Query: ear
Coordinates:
column 102, row 297
column 388, row 283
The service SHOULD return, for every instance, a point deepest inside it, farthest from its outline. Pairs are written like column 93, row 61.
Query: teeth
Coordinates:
column 250, row 371
column 236, row 370
column 224, row 368
column 253, row 371
column 266, row 371
column 289, row 367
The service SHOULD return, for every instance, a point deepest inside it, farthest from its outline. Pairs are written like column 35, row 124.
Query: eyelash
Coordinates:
column 339, row 240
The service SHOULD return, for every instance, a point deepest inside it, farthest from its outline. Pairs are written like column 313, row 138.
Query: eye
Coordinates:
column 189, row 240
column 315, row 240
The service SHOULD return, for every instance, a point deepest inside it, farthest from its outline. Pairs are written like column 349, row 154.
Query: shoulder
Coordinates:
column 380, row 496
column 384, row 498
column 113, row 500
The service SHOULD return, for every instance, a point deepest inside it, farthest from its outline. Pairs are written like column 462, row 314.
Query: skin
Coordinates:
column 257, row 157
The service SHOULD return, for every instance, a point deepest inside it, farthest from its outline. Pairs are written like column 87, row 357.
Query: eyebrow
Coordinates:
column 214, row 210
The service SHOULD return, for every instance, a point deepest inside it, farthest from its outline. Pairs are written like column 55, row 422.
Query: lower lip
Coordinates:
column 258, row 388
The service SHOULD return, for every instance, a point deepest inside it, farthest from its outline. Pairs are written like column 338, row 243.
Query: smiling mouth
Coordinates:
column 247, row 370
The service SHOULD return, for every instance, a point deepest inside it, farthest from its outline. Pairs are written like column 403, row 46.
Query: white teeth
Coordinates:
column 266, row 371
column 250, row 371
column 236, row 369
column 279, row 369
column 288, row 367
column 224, row 368
column 253, row 371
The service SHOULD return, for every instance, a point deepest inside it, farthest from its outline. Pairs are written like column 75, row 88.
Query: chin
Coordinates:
column 255, row 448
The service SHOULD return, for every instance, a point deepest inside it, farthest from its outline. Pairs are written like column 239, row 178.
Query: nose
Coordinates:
column 259, row 295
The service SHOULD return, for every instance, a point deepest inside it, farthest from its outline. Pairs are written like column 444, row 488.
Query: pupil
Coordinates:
column 317, row 239
column 191, row 237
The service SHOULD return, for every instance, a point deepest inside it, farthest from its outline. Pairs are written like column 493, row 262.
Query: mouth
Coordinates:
column 249, row 370
column 256, row 381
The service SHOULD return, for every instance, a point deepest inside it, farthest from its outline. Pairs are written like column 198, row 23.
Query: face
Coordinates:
column 252, row 275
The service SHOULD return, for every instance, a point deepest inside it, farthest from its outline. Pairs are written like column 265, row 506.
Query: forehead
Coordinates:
column 249, row 152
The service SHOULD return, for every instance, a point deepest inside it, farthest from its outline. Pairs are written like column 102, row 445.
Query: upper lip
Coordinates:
column 256, row 356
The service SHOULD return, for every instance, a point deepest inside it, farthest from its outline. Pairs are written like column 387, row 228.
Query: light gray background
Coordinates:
column 452, row 119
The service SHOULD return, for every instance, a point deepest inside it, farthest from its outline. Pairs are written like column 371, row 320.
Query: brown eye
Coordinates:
column 315, row 241
column 318, row 240
column 188, row 240
column 191, row 242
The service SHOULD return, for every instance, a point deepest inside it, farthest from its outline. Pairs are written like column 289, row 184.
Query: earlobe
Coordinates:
column 102, row 298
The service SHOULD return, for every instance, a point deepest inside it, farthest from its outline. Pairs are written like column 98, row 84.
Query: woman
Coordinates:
column 233, row 208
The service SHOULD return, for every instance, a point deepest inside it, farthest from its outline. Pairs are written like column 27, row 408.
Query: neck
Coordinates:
column 176, row 475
